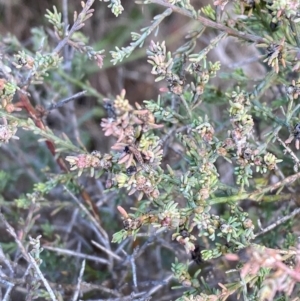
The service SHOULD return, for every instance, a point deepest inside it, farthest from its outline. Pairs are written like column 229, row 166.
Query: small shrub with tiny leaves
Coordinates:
column 191, row 194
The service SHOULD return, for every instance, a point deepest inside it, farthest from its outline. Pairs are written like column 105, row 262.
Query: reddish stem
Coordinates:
column 34, row 114
column 25, row 103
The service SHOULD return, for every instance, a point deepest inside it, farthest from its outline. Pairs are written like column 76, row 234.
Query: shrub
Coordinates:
column 203, row 177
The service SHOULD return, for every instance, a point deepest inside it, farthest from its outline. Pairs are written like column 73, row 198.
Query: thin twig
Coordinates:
column 210, row 23
column 5, row 281
column 255, row 195
column 45, row 282
column 279, row 222
column 106, row 251
column 27, row 256
column 76, row 254
column 87, row 287
column 159, row 286
column 133, row 267
column 131, row 297
column 12, row 281
column 288, row 150
column 65, row 14
column 187, row 107
column 6, row 261
column 102, row 234
column 122, row 245
column 76, row 293
column 66, row 100
column 171, row 132
column 145, row 245
column 76, row 26
column 107, row 245
column 13, row 233
column 7, row 293
column 92, row 218
column 71, row 224
column 84, row 286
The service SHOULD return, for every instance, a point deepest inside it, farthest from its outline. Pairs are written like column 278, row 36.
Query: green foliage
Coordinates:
column 4, row 180
column 138, row 39
column 116, row 7
column 195, row 167
column 55, row 19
